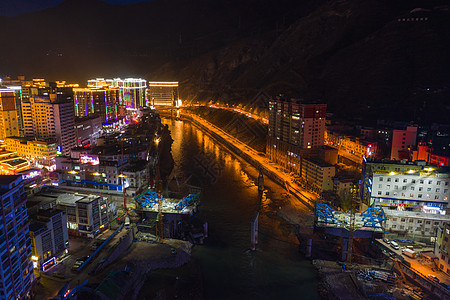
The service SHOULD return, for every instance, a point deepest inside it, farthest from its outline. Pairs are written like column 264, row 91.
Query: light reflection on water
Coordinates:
column 230, row 197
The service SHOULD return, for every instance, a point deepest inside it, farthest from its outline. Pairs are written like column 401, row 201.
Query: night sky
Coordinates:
column 16, row 7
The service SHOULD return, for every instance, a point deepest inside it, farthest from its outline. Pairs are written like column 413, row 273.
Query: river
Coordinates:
column 276, row 270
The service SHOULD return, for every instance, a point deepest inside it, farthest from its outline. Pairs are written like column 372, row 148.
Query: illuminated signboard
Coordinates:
column 89, row 159
column 31, row 174
column 58, row 150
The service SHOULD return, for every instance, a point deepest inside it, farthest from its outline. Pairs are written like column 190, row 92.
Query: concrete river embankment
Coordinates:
column 256, row 159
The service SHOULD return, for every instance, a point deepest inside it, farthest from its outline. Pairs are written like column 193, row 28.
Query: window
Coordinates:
column 438, row 183
column 446, row 183
column 388, row 187
column 445, row 191
column 428, row 189
column 420, row 188
column 380, row 186
column 417, row 228
column 411, row 220
column 419, row 196
column 394, row 226
column 411, row 195
column 419, row 221
column 389, row 179
column 412, row 188
column 428, row 222
column 436, row 197
column 405, row 180
column 403, row 220
column 387, row 193
column 413, row 181
column 421, row 181
column 396, row 179
column 403, row 195
column 430, row 182
column 395, row 187
column 404, row 188
column 379, row 192
column 381, row 179
column 438, row 190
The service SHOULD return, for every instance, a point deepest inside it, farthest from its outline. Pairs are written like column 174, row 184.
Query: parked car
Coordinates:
column 386, row 241
column 76, row 265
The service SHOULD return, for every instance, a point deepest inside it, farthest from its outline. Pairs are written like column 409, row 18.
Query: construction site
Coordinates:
column 355, row 260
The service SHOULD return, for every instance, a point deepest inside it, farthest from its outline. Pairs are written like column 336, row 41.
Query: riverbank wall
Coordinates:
column 248, row 158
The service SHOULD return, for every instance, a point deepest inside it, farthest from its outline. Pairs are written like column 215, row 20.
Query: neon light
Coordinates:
column 89, row 159
column 51, row 260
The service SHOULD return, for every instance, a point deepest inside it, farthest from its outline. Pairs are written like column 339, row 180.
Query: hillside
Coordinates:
column 354, row 55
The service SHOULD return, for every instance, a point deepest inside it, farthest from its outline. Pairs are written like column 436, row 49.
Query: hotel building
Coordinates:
column 412, row 193
column 16, row 270
column 48, row 118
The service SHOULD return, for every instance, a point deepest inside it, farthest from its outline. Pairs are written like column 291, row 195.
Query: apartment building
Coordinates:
column 16, row 270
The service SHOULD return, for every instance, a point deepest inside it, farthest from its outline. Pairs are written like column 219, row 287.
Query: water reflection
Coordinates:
column 230, row 198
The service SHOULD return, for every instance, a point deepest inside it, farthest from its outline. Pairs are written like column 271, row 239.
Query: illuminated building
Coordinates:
column 9, row 124
column 10, row 163
column 317, row 175
column 132, row 91
column 49, row 237
column 413, row 190
column 162, row 93
column 350, row 147
column 94, row 100
column 86, row 214
column 296, row 123
column 294, row 129
column 16, row 271
column 443, row 247
column 402, row 142
column 41, row 152
column 88, row 171
column 50, row 118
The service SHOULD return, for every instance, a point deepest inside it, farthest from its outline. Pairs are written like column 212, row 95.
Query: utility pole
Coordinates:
column 354, row 194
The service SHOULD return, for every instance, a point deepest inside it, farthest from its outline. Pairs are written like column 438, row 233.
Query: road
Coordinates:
column 290, row 184
column 419, row 264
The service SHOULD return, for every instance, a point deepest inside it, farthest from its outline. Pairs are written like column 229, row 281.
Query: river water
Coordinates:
column 276, row 270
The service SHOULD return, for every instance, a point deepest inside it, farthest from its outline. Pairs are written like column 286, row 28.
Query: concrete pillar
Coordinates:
column 205, row 229
column 344, row 246
column 254, row 231
column 308, row 248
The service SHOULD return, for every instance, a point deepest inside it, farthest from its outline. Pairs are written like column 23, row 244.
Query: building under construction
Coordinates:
column 175, row 213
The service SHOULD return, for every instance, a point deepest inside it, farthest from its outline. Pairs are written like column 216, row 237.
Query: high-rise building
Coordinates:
column 132, row 91
column 97, row 100
column 402, row 143
column 16, row 270
column 49, row 118
column 9, row 124
column 162, row 93
column 297, row 123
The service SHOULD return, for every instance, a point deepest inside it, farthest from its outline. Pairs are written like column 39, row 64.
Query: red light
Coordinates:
column 370, row 145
